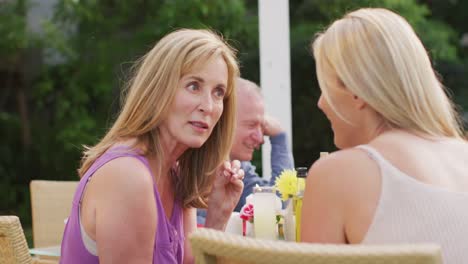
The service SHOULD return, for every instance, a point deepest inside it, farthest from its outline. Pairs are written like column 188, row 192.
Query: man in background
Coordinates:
column 252, row 125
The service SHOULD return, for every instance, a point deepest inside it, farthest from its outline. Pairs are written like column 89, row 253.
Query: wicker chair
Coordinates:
column 50, row 204
column 210, row 245
column 13, row 246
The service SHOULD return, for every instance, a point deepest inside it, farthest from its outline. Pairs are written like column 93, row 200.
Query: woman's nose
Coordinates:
column 206, row 104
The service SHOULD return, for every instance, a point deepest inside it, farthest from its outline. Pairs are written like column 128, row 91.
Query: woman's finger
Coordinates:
column 238, row 176
column 236, row 164
column 227, row 165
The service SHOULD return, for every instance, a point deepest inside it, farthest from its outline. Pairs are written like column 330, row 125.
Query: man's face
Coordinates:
column 249, row 134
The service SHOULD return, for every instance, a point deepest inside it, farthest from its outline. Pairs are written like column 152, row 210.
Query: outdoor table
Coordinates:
column 46, row 252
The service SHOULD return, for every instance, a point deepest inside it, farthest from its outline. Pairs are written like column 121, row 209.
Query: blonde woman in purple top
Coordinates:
column 163, row 157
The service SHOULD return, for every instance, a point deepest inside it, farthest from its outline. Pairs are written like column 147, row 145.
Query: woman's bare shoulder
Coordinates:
column 347, row 174
column 343, row 164
column 124, row 176
column 346, row 181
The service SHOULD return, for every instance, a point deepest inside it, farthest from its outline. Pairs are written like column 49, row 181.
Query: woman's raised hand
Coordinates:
column 225, row 194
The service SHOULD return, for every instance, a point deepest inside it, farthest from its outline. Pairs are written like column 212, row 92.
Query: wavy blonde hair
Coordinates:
column 377, row 56
column 147, row 101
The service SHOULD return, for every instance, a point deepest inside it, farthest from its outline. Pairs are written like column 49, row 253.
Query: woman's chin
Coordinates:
column 196, row 143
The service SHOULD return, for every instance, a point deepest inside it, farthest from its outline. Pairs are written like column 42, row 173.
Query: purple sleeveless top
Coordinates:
column 169, row 237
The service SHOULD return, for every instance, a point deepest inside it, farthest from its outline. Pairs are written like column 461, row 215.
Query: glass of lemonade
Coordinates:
column 264, row 199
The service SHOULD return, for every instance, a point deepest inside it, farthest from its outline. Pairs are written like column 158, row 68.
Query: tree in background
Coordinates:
column 15, row 111
column 454, row 72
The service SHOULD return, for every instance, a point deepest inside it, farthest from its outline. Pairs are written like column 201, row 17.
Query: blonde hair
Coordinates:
column 378, row 57
column 147, row 102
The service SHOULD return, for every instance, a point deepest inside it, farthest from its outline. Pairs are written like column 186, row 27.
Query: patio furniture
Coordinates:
column 51, row 203
column 13, row 246
column 209, row 245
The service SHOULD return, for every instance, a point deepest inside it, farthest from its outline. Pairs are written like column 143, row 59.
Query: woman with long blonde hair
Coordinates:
column 163, row 157
column 400, row 175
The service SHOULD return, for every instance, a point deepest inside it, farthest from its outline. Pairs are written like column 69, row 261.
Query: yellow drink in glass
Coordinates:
column 301, row 175
column 298, row 210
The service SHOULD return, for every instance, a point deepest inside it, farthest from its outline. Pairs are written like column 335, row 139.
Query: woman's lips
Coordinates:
column 199, row 126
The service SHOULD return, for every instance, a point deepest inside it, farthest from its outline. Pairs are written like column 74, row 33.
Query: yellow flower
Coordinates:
column 286, row 184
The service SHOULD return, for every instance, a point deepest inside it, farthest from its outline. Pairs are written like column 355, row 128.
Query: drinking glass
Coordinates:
column 264, row 199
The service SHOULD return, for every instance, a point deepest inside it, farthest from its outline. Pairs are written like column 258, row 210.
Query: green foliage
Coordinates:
column 453, row 73
column 15, row 39
column 12, row 27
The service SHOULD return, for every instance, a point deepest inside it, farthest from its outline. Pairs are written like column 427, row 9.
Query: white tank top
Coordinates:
column 410, row 211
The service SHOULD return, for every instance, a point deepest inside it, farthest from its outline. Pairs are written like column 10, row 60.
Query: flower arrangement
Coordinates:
column 246, row 214
column 286, row 184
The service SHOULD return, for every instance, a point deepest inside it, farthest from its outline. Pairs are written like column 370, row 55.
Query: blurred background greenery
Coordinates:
column 60, row 84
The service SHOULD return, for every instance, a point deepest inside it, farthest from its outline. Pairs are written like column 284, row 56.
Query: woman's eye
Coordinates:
column 193, row 86
column 220, row 92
